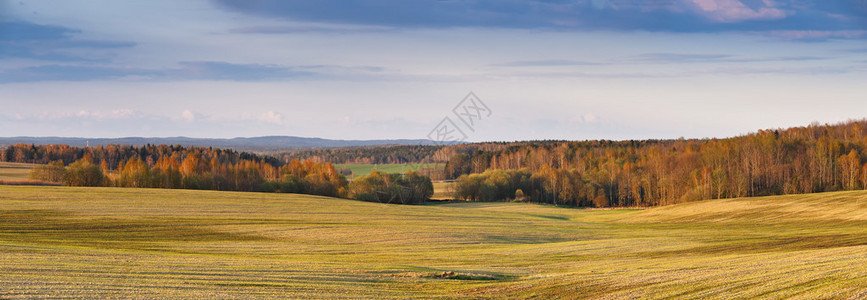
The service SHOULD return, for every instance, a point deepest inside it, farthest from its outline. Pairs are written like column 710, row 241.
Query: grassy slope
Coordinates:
column 100, row 242
column 364, row 169
column 443, row 190
column 15, row 171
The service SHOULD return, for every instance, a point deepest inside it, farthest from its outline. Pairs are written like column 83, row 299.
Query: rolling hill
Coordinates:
column 153, row 243
column 263, row 143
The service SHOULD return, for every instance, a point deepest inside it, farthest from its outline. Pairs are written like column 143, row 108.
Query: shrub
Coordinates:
column 52, row 172
column 84, row 173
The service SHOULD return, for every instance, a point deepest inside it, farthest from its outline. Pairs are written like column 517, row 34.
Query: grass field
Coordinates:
column 144, row 243
column 364, row 169
column 15, row 171
column 443, row 190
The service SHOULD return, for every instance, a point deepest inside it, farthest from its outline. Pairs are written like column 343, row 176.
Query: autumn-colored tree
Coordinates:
column 134, row 173
column 51, row 172
column 381, row 187
column 83, row 173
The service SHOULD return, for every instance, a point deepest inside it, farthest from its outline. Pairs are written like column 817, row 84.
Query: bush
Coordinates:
column 381, row 187
column 519, row 195
column 52, row 172
column 84, row 173
column 492, row 185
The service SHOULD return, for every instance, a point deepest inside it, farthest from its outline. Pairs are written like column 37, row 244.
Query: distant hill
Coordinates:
column 263, row 143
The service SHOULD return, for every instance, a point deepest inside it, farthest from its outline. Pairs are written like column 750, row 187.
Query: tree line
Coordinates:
column 389, row 154
column 190, row 168
column 178, row 167
column 815, row 158
column 808, row 159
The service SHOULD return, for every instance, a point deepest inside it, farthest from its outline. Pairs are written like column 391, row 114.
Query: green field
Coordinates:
column 15, row 171
column 443, row 190
column 149, row 243
column 364, row 169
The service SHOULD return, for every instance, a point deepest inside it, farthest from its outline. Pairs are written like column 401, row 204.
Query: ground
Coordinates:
column 15, row 171
column 150, row 243
column 443, row 190
column 364, row 169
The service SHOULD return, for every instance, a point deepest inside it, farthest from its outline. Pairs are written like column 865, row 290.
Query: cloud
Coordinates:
column 547, row 63
column 588, row 118
column 269, row 117
column 91, row 115
column 53, row 43
column 272, row 117
column 559, row 67
column 308, row 28
column 210, row 70
column 712, row 58
column 114, row 114
column 817, row 35
column 731, row 11
column 195, row 70
column 129, row 122
column 70, row 73
column 651, row 15
column 25, row 31
column 188, row 116
column 680, row 57
column 855, row 50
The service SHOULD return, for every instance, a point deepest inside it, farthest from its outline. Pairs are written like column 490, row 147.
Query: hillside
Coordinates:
column 256, row 144
column 154, row 243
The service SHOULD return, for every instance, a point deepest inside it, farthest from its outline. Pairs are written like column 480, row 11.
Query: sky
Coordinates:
column 378, row 69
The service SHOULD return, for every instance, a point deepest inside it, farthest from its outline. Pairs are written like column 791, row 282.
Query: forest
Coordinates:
column 808, row 159
column 797, row 160
column 814, row 158
column 391, row 154
column 176, row 167
column 179, row 167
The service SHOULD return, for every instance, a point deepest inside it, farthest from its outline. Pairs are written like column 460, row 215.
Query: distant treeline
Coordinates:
column 816, row 158
column 178, row 167
column 164, row 166
column 393, row 154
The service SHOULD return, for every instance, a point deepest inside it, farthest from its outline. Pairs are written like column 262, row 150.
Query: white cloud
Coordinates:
column 98, row 115
column 587, row 118
column 271, row 117
column 188, row 116
column 729, row 11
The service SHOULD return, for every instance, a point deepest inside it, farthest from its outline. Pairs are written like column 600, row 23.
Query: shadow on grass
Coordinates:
column 768, row 244
column 63, row 228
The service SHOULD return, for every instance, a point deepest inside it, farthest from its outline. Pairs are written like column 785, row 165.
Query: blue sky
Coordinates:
column 580, row 69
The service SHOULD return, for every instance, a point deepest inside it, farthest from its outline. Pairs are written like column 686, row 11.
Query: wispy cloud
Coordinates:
column 547, row 63
column 210, row 70
column 679, row 57
column 53, row 43
column 272, row 117
column 188, row 116
column 657, row 58
column 93, row 115
column 71, row 73
column 25, row 31
column 192, row 70
column 793, row 18
column 855, row 50
column 733, row 11
column 815, row 35
column 712, row 58
column 309, row 28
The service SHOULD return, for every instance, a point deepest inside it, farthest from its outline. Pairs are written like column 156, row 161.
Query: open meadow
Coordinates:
column 364, row 169
column 443, row 190
column 15, row 171
column 155, row 243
